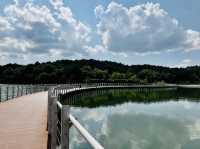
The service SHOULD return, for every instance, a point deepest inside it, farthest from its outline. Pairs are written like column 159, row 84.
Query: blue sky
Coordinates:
column 159, row 32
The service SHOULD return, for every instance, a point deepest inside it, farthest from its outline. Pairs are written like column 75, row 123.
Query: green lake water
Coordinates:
column 139, row 119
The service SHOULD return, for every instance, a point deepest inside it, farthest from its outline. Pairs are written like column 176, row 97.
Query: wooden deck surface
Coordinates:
column 23, row 122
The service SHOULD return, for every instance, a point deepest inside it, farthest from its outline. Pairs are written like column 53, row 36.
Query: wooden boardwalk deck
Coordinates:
column 23, row 122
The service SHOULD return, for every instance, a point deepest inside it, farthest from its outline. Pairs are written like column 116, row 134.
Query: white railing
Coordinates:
column 92, row 141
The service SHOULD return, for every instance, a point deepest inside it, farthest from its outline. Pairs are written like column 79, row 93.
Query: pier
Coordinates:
column 23, row 122
column 40, row 121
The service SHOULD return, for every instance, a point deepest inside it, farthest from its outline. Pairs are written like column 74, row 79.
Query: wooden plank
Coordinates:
column 23, row 122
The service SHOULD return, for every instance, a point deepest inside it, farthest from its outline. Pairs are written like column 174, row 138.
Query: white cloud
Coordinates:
column 30, row 14
column 33, row 32
column 12, row 43
column 99, row 10
column 184, row 63
column 57, row 3
column 66, row 14
column 14, row 50
column 55, row 54
column 21, row 2
column 101, row 53
column 193, row 40
column 143, row 28
column 187, row 61
column 80, row 30
column 4, row 24
column 43, row 31
column 95, row 50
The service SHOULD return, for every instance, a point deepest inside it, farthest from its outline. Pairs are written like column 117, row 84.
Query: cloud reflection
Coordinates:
column 167, row 125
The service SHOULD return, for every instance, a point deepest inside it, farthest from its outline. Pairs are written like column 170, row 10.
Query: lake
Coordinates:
column 138, row 118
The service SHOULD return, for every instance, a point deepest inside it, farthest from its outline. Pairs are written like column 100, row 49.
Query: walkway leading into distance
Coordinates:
column 23, row 122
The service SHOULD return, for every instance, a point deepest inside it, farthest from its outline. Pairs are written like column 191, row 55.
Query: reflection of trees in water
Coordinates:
column 106, row 97
column 192, row 93
column 192, row 144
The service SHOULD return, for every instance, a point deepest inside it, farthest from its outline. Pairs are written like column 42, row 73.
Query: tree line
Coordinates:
column 73, row 71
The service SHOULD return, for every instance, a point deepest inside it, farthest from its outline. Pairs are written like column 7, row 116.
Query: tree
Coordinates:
column 63, row 71
column 117, row 76
column 43, row 78
column 87, row 72
column 133, row 78
column 100, row 74
column 149, row 75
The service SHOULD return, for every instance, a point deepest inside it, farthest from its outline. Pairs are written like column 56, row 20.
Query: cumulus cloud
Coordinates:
column 19, row 45
column 184, row 63
column 95, row 50
column 76, row 28
column 38, row 31
column 4, row 24
column 31, row 31
column 28, row 15
column 142, row 28
column 57, row 3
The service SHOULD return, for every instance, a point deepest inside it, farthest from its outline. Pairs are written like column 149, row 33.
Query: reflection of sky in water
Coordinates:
column 166, row 125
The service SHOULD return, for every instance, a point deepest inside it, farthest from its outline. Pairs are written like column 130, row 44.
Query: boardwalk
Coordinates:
column 23, row 122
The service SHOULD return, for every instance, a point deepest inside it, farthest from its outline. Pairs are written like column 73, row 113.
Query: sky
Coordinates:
column 157, row 32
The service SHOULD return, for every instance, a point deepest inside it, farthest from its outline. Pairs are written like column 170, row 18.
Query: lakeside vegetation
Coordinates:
column 111, row 97
column 65, row 71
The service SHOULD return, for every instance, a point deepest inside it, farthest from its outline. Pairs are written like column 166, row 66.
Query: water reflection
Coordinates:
column 193, row 144
column 172, row 124
column 110, row 97
column 139, row 132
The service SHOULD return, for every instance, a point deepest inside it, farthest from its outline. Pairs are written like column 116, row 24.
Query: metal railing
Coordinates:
column 8, row 92
column 85, row 133
column 60, row 120
column 73, row 122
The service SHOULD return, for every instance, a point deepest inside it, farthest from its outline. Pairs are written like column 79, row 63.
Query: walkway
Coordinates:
column 23, row 122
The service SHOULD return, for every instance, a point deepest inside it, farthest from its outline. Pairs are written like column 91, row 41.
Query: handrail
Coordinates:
column 60, row 118
column 59, row 104
column 91, row 140
column 85, row 133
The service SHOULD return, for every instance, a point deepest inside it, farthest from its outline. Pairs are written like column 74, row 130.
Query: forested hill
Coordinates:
column 64, row 71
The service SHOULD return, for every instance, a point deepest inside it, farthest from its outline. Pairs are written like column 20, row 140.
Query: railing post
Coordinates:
column 53, row 123
column 13, row 92
column 48, row 110
column 17, row 90
column 7, row 92
column 65, row 125
column 0, row 93
column 22, row 90
column 31, row 89
column 26, row 90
